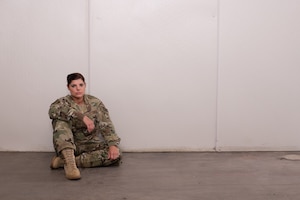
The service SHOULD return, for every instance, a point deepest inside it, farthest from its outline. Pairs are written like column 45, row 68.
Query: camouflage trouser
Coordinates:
column 89, row 150
column 94, row 155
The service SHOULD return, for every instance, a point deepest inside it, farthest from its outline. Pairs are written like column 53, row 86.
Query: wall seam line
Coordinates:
column 89, row 44
column 216, row 147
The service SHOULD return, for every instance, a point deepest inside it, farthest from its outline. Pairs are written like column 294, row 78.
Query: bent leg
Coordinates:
column 62, row 136
column 96, row 158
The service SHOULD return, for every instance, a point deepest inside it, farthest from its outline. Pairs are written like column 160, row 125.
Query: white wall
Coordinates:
column 154, row 65
column 40, row 43
column 259, row 96
column 176, row 75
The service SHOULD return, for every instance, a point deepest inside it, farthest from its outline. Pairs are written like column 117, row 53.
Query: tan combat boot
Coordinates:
column 71, row 170
column 57, row 162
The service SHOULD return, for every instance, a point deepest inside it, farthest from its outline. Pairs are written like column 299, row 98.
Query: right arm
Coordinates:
column 62, row 110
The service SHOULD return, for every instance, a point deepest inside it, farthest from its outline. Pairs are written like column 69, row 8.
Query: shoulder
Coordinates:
column 63, row 100
column 92, row 99
column 96, row 102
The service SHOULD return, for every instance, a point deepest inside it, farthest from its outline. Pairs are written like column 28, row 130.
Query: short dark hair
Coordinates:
column 74, row 76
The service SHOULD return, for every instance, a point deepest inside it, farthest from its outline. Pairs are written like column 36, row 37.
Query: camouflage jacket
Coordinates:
column 65, row 109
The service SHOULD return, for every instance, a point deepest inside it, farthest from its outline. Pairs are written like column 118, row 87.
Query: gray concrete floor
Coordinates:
column 155, row 176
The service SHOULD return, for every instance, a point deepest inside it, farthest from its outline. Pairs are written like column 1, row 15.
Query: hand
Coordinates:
column 113, row 152
column 89, row 124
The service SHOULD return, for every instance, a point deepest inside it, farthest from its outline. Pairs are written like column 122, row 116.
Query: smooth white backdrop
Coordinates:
column 40, row 43
column 177, row 75
column 154, row 64
column 259, row 96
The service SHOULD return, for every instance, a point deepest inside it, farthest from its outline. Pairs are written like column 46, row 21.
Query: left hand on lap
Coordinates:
column 113, row 152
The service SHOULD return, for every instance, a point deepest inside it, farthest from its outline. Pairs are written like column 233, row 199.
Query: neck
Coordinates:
column 78, row 100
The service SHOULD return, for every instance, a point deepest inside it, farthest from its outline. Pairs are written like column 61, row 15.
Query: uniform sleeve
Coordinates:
column 61, row 110
column 107, row 128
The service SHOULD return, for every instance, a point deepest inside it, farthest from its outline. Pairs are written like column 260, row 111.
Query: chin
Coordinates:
column 78, row 96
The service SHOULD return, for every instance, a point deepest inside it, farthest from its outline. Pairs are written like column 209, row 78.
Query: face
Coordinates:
column 77, row 88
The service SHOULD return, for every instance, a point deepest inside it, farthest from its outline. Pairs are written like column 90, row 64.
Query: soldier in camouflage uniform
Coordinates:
column 83, row 134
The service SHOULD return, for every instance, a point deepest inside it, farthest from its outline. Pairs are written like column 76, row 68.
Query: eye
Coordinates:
column 81, row 84
column 73, row 86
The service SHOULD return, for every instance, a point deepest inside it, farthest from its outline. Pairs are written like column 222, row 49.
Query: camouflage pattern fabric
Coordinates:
column 69, row 130
column 94, row 158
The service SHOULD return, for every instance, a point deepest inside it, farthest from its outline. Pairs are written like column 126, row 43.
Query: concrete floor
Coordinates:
column 155, row 176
